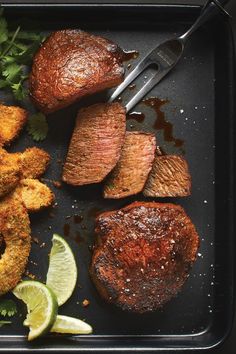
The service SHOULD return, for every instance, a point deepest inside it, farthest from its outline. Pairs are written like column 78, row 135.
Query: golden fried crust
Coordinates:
column 15, row 230
column 1, row 240
column 9, row 158
column 12, row 120
column 9, row 173
column 9, row 178
column 34, row 162
column 34, row 194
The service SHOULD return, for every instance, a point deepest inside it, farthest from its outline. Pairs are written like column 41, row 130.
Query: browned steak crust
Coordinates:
column 131, row 172
column 96, row 143
column 169, row 177
column 71, row 64
column 143, row 254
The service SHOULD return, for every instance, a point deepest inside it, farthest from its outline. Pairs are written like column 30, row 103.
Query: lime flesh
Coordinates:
column 62, row 271
column 41, row 305
column 66, row 324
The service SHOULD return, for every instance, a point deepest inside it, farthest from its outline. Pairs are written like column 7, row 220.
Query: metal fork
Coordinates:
column 166, row 56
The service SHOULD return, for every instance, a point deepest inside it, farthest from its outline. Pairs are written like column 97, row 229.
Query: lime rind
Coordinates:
column 41, row 304
column 62, row 271
column 70, row 325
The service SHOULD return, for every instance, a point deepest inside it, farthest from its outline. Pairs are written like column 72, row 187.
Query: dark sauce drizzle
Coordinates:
column 66, row 230
column 78, row 219
column 78, row 238
column 160, row 122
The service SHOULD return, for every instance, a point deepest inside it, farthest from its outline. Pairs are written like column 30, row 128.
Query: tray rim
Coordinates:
column 19, row 339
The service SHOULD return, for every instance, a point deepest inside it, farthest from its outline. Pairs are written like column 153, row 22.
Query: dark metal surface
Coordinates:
column 199, row 94
column 165, row 57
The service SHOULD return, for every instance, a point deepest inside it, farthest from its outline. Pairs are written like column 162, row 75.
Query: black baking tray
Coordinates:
column 200, row 94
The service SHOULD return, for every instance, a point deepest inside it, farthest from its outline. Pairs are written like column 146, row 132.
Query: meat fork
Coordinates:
column 166, row 56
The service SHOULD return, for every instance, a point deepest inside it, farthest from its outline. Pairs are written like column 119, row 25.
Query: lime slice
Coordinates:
column 41, row 305
column 62, row 271
column 66, row 324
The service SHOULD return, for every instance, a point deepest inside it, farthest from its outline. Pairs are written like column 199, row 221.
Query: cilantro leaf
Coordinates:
column 19, row 91
column 7, row 60
column 37, row 126
column 29, row 36
column 16, row 51
column 8, row 308
column 25, row 56
column 2, row 323
column 12, row 72
column 3, row 30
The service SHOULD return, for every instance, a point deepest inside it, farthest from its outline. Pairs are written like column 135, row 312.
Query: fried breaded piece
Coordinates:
column 34, row 194
column 1, row 242
column 9, row 173
column 15, row 229
column 12, row 120
column 9, row 178
column 3, row 155
column 9, row 158
column 34, row 162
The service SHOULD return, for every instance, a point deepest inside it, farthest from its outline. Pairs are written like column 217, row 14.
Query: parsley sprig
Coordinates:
column 16, row 51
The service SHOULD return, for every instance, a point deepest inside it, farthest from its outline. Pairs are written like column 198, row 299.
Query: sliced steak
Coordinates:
column 71, row 64
column 96, row 144
column 169, row 177
column 131, row 172
column 143, row 254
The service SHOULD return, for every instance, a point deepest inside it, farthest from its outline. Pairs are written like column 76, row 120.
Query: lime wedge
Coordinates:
column 41, row 305
column 62, row 271
column 66, row 324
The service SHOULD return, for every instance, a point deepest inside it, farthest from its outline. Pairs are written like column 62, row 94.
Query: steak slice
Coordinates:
column 143, row 254
column 96, row 143
column 131, row 172
column 71, row 64
column 169, row 177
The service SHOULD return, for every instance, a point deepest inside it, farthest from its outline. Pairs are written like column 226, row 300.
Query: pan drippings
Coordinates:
column 161, row 123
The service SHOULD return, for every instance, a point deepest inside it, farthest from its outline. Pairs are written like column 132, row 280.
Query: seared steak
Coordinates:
column 96, row 143
column 169, row 177
column 143, row 254
column 131, row 172
column 71, row 64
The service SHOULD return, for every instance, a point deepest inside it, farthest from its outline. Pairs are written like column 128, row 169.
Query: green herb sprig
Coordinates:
column 8, row 308
column 16, row 51
column 37, row 126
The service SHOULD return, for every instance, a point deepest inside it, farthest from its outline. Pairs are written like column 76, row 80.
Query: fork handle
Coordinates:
column 211, row 8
